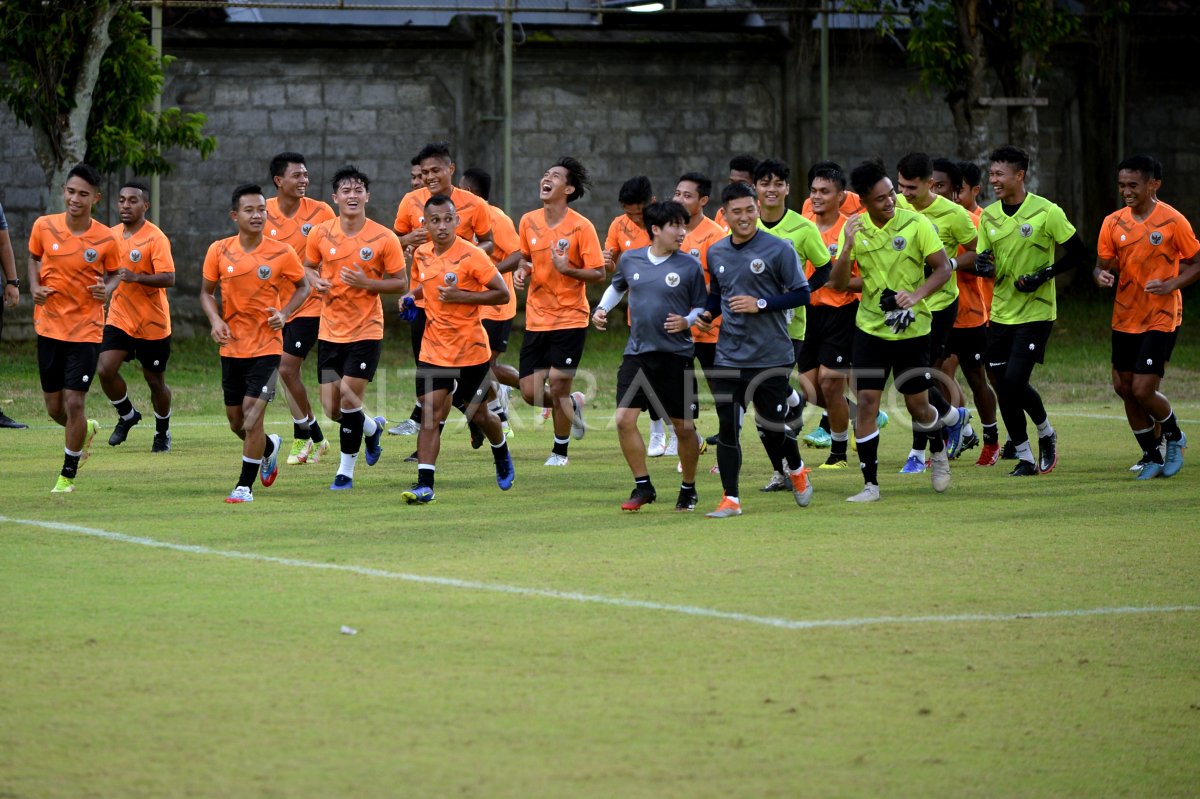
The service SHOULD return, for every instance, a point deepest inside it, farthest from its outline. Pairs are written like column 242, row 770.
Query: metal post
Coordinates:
column 508, row 105
column 825, row 83
column 156, row 42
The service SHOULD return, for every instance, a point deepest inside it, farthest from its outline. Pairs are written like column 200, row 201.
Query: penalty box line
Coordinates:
column 595, row 599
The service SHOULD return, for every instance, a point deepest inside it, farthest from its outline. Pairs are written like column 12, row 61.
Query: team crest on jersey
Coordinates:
column 450, row 279
column 672, row 279
column 274, row 232
column 1156, row 238
column 54, row 246
column 695, row 253
column 135, row 256
column 833, row 250
column 721, row 269
column 90, row 255
column 366, row 253
column 1026, row 230
column 899, row 243
column 637, row 275
column 757, row 266
column 305, row 228
column 563, row 244
column 264, row 272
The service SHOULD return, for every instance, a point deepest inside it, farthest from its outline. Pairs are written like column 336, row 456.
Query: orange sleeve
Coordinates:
column 163, row 261
column 211, row 267
column 36, row 247
column 613, row 240
column 1104, row 245
column 312, row 244
column 589, row 247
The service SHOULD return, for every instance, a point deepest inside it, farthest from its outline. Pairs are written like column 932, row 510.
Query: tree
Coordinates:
column 82, row 75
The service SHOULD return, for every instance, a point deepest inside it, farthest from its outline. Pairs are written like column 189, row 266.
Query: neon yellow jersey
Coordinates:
column 955, row 228
column 893, row 257
column 805, row 236
column 1022, row 244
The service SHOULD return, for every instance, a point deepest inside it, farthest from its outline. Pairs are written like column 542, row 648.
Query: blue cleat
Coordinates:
column 881, row 419
column 953, row 433
column 270, row 466
column 1149, row 471
column 914, row 465
column 371, row 443
column 1174, row 460
column 505, row 474
column 341, row 483
column 420, row 495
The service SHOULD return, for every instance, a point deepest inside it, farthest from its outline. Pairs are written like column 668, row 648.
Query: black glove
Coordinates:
column 1033, row 282
column 887, row 300
column 899, row 320
column 985, row 264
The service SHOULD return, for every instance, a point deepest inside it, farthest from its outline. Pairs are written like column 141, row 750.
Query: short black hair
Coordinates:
column 864, row 177
column 703, row 184
column 577, row 177
column 437, row 149
column 142, row 188
column 1008, row 154
column 1147, row 165
column 951, row 170
column 86, row 172
column 279, row 163
column 349, row 172
column 972, row 175
column 833, row 174
column 438, row 199
column 771, row 166
column 915, row 166
column 416, row 161
column 636, row 191
column 480, row 179
column 735, row 191
column 241, row 191
column 812, row 170
column 664, row 213
column 743, row 163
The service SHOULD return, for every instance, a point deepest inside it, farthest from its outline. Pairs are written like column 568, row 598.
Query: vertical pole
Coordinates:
column 508, row 105
column 825, row 83
column 156, row 43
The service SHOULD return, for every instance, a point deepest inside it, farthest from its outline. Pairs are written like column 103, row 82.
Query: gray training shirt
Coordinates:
column 766, row 266
column 675, row 286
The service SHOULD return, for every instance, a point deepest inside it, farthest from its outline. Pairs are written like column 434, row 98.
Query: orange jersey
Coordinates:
column 624, row 235
column 454, row 334
column 506, row 241
column 294, row 230
column 827, row 294
column 974, row 293
column 554, row 301
column 1144, row 251
column 71, row 265
column 474, row 220
column 696, row 244
column 250, row 283
column 851, row 205
column 719, row 219
column 349, row 313
column 142, row 311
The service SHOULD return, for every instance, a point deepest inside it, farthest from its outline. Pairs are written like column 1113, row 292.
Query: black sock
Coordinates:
column 991, row 433
column 1170, row 428
column 162, row 423
column 868, row 456
column 124, row 406
column 825, row 422
column 791, row 453
column 1149, row 444
column 500, row 452
column 249, row 474
column 269, row 447
column 70, row 466
column 938, row 400
column 301, row 432
column 839, row 447
column 773, row 446
column 685, row 486
column 560, row 447
column 644, row 480
column 919, row 439
column 425, row 477
column 503, row 417
column 936, row 444
column 352, row 431
column 729, row 461
column 416, row 414
column 314, row 430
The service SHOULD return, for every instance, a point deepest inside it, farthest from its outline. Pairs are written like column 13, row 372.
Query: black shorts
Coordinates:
column 663, row 381
column 906, row 359
column 151, row 354
column 969, row 344
column 498, row 331
column 417, row 329
column 349, row 359
column 939, row 331
column 467, row 384
column 66, row 364
column 249, row 377
column 299, row 336
column 829, row 338
column 767, row 388
column 552, row 349
column 1009, row 342
column 706, row 353
column 1142, row 353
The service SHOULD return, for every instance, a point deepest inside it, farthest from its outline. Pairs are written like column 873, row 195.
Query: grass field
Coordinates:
column 1033, row 638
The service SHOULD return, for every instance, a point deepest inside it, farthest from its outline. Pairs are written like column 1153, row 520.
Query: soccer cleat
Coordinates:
column 506, row 430
column 10, row 423
column 869, row 493
column 477, row 436
column 835, row 462
column 818, row 439
column 1047, row 453
column 92, row 428
column 1137, row 467
column 502, row 392
column 341, row 482
column 726, row 509
column 299, row 452
column 371, row 443
column 1149, row 471
column 657, row 447
column 1009, row 451
column 556, row 460
column 914, row 465
column 269, row 469
column 64, row 485
column 578, row 426
column 952, row 433
column 968, row 442
column 687, row 500
column 988, row 455
column 240, row 494
column 802, row 488
column 672, row 445
column 881, row 420
column 1023, row 469
column 409, row 427
column 121, row 430
column 412, row 458
column 641, row 495
column 545, row 415
column 421, row 495
column 162, row 442
column 1174, row 460
column 505, row 473
column 713, row 439
column 318, row 450
column 777, row 483
column 714, row 469
column 939, row 471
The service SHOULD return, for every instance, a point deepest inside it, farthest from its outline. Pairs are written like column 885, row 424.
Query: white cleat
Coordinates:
column 939, row 470
column 673, row 445
column 658, row 446
column 870, row 493
column 556, row 460
column 578, row 426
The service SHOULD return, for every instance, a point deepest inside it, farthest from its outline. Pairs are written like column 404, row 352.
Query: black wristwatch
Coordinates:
column 14, row 282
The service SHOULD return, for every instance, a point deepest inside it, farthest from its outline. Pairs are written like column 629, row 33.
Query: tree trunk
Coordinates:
column 970, row 119
column 1023, row 119
column 802, row 104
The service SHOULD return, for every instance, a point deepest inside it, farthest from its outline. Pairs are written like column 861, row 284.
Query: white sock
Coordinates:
column 842, row 436
column 919, row 454
column 1044, row 429
column 346, row 467
column 734, row 499
column 950, row 417
column 656, row 427
column 793, row 399
column 1025, row 453
column 369, row 426
column 968, row 431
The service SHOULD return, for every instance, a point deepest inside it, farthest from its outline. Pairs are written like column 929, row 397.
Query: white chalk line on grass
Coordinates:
column 595, row 599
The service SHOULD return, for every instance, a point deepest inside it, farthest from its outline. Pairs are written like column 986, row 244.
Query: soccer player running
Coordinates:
column 666, row 297
column 1018, row 235
column 756, row 278
column 563, row 255
column 139, row 318
column 72, row 269
column 12, row 296
column 253, row 273
column 893, row 246
column 351, row 260
column 291, row 216
column 1141, row 249
column 456, row 279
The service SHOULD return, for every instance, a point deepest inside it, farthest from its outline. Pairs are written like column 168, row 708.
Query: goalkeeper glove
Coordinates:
column 887, row 300
column 408, row 310
column 1033, row 281
column 985, row 264
column 899, row 320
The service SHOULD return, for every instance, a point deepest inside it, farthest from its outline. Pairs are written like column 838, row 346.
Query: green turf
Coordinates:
column 131, row 671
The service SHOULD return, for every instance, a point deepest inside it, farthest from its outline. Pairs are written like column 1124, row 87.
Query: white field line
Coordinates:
column 596, row 599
